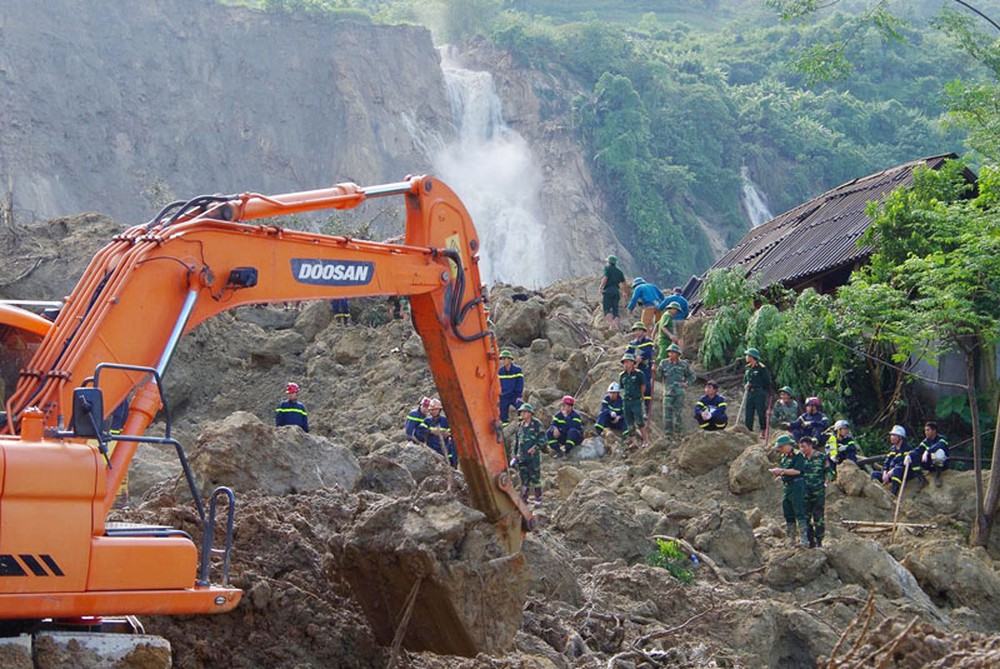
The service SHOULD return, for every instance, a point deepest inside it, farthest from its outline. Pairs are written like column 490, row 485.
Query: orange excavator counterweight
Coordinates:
column 116, row 333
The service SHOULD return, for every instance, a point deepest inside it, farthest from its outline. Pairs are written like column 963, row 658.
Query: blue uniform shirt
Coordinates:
column 645, row 294
column 291, row 413
column 511, row 381
column 416, row 426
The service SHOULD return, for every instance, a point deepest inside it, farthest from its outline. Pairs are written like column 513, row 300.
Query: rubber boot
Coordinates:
column 804, row 537
column 937, row 478
column 538, row 496
column 790, row 533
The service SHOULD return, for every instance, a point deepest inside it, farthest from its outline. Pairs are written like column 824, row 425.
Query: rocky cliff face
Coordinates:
column 102, row 103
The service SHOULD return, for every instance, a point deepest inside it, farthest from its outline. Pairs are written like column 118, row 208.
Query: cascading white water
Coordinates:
column 754, row 203
column 492, row 170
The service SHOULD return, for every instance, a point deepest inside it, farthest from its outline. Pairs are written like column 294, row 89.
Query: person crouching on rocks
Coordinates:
column 529, row 440
column 566, row 429
column 612, row 413
column 710, row 410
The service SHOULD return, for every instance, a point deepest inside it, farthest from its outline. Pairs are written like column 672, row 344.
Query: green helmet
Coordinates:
column 786, row 389
column 674, row 347
column 639, row 325
column 628, row 356
column 753, row 353
column 506, row 354
column 784, row 440
column 612, row 260
column 526, row 407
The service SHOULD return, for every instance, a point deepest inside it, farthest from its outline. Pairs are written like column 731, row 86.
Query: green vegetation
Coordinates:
column 669, row 556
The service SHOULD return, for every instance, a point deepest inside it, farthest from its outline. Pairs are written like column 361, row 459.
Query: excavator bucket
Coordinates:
column 429, row 571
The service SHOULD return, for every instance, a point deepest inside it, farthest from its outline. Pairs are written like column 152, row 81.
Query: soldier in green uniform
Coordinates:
column 757, row 385
column 676, row 374
column 785, row 410
column 815, row 475
column 529, row 440
column 793, row 497
column 633, row 384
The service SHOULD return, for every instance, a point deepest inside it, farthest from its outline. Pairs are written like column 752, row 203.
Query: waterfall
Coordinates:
column 492, row 170
column 753, row 201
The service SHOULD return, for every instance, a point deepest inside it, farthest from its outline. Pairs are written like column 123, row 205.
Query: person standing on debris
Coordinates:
column 529, row 440
column 566, row 429
column 611, row 292
column 812, row 422
column 612, row 413
column 815, row 498
column 416, row 422
column 793, row 496
column 757, row 386
column 647, row 296
column 292, row 411
column 633, row 385
column 676, row 375
column 667, row 329
column 785, row 410
column 899, row 461
column 710, row 410
column 341, row 308
column 511, row 385
column 935, row 451
column 438, row 435
column 642, row 348
column 841, row 445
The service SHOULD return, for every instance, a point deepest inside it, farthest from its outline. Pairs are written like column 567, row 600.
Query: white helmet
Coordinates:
column 435, row 404
column 939, row 456
column 842, row 423
column 614, row 388
column 898, row 430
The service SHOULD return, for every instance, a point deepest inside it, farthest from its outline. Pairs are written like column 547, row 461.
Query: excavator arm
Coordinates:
column 156, row 282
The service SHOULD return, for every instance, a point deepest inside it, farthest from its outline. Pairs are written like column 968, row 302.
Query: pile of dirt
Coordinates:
column 313, row 510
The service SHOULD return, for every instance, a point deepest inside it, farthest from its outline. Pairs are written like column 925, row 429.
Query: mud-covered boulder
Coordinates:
column 313, row 318
column 703, row 451
column 572, row 373
column 595, row 516
column 347, row 346
column 268, row 317
column 855, row 482
column 726, row 535
column 243, row 453
column 382, row 474
column 774, row 634
column 552, row 573
column 519, row 323
column 749, row 471
column 791, row 567
column 866, row 563
column 567, row 478
column 958, row 576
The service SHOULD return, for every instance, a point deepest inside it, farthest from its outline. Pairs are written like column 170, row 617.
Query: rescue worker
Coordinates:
column 511, row 385
column 793, row 496
column 757, row 386
column 529, row 440
column 341, row 308
column 935, row 451
column 676, row 374
column 642, row 348
column 416, row 425
column 566, row 429
column 612, row 413
column 633, row 385
column 438, row 435
column 292, row 411
column 611, row 292
column 710, row 410
column 785, row 410
column 667, row 329
column 647, row 296
column 677, row 296
column 814, row 474
column 900, row 454
column 812, row 422
column 841, row 445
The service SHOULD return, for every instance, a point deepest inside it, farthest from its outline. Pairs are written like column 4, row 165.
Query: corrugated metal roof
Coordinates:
column 820, row 235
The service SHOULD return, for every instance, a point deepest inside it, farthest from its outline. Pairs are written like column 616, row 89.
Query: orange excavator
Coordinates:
column 112, row 342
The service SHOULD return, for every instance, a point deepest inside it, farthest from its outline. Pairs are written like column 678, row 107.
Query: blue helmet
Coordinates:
column 637, row 281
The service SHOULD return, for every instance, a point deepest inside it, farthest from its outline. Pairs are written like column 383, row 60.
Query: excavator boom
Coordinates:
column 154, row 283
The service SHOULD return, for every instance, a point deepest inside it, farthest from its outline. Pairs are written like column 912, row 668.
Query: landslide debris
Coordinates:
column 592, row 598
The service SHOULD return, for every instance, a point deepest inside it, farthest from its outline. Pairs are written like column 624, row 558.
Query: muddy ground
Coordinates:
column 920, row 598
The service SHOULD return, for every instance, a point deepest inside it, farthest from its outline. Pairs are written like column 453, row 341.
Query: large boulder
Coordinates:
column 855, row 482
column 791, row 568
column 703, row 451
column 595, row 516
column 726, row 535
column 552, row 574
column 519, row 323
column 774, row 634
column 749, row 471
column 243, row 453
column 958, row 576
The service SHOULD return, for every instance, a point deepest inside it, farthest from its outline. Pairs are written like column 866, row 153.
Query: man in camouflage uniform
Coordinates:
column 815, row 476
column 633, row 385
column 793, row 497
column 676, row 374
column 785, row 410
column 529, row 440
column 757, row 386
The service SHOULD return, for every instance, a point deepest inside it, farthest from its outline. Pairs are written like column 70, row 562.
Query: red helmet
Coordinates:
column 292, row 387
column 814, row 401
column 568, row 400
